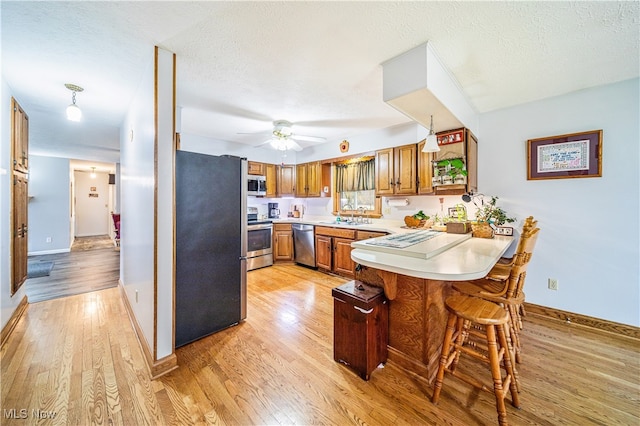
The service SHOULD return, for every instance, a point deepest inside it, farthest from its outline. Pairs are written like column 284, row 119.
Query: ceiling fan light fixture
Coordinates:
column 74, row 113
column 431, row 144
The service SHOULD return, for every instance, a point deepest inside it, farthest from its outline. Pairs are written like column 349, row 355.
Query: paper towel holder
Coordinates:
column 398, row 202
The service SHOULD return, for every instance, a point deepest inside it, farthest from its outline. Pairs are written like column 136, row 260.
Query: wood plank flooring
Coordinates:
column 77, row 359
column 93, row 264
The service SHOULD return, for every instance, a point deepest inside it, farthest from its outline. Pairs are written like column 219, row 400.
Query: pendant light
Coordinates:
column 74, row 113
column 431, row 144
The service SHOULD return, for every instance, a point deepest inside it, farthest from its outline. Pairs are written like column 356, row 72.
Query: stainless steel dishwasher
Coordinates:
column 304, row 248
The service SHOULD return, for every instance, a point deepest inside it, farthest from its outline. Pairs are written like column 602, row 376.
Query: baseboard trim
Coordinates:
column 584, row 320
column 157, row 368
column 13, row 321
column 56, row 251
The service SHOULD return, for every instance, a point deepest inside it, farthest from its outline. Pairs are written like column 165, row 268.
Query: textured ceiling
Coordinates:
column 242, row 65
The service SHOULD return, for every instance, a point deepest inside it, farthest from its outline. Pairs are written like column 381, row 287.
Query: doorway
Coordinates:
column 92, row 203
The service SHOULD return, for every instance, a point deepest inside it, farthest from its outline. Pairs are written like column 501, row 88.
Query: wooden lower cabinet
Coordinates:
column 333, row 248
column 282, row 242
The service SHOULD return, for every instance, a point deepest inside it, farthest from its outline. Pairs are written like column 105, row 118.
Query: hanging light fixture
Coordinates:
column 93, row 173
column 73, row 111
column 431, row 144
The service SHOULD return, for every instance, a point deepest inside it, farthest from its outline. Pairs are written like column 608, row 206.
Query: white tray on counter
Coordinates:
column 421, row 244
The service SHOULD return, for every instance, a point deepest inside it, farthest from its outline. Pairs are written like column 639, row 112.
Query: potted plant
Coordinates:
column 454, row 170
column 488, row 214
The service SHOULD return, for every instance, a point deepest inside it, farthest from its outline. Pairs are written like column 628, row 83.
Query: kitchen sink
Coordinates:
column 345, row 223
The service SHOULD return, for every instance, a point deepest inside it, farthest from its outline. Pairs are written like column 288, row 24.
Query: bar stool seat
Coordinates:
column 467, row 316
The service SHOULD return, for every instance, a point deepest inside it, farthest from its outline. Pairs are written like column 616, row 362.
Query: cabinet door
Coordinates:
column 283, row 245
column 270, row 174
column 19, row 137
column 385, row 181
column 323, row 252
column 342, row 262
column 425, row 170
column 472, row 161
column 255, row 168
column 314, row 179
column 286, row 180
column 19, row 229
column 301, row 180
column 405, row 163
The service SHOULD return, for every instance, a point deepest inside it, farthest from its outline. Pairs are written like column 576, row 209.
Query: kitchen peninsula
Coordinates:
column 417, row 280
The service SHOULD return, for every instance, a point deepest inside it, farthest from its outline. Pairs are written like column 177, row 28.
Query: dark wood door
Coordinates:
column 283, row 242
column 323, row 252
column 20, row 231
column 342, row 262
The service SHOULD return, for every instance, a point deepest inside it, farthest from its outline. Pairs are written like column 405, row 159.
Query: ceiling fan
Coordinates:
column 283, row 138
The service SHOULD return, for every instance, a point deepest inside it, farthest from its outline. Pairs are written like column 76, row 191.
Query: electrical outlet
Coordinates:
column 553, row 284
column 48, row 239
column 504, row 230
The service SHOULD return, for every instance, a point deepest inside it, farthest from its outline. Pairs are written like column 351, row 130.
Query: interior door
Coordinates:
column 92, row 204
column 20, row 229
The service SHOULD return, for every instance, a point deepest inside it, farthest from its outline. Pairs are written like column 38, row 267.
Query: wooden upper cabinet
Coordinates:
column 425, row 170
column 461, row 146
column 309, row 179
column 255, row 168
column 272, row 180
column 286, row 180
column 396, row 170
column 20, row 137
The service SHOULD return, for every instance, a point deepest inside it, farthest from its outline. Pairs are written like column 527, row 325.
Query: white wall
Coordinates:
column 149, row 290
column 137, row 208
column 589, row 238
column 50, row 207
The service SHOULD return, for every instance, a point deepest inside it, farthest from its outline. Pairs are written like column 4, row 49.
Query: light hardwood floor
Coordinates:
column 78, row 357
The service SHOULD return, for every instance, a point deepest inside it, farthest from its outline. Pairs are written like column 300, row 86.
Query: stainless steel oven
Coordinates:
column 259, row 249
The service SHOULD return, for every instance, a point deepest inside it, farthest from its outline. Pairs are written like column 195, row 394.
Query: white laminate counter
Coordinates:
column 471, row 259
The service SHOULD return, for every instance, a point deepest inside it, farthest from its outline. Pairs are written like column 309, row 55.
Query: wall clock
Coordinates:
column 344, row 146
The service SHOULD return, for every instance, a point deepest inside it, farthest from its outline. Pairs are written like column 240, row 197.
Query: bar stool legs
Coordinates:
column 465, row 313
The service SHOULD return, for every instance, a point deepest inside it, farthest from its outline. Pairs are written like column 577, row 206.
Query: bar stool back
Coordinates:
column 508, row 293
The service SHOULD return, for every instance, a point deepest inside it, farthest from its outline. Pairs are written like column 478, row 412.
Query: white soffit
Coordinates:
column 418, row 85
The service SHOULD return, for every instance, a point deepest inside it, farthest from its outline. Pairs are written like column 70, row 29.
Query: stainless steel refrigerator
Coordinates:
column 211, row 244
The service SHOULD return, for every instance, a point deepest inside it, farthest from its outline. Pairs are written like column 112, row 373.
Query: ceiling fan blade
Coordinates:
column 263, row 132
column 309, row 138
column 295, row 146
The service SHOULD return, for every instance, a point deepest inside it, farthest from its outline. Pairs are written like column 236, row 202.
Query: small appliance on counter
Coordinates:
column 274, row 211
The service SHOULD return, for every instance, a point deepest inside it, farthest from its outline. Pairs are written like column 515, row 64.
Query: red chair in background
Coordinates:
column 116, row 224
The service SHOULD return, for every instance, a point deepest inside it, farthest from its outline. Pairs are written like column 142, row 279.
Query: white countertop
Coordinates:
column 469, row 260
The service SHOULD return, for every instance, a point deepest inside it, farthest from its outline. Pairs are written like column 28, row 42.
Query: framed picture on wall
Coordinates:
column 575, row 155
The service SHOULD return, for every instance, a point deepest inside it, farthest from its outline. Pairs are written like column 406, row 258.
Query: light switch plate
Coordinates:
column 504, row 230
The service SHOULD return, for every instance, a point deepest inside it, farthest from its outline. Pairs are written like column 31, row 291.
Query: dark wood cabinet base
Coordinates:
column 360, row 327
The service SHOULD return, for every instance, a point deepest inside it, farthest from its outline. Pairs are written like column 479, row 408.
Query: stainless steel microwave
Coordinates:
column 256, row 185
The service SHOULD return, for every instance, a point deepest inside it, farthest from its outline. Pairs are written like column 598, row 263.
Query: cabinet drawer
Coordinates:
column 336, row 232
column 282, row 227
column 365, row 235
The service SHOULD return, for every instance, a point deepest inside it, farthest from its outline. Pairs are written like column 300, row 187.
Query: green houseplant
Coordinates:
column 487, row 214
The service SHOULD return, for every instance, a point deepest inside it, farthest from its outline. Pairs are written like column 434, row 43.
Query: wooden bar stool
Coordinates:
column 465, row 312
column 508, row 293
